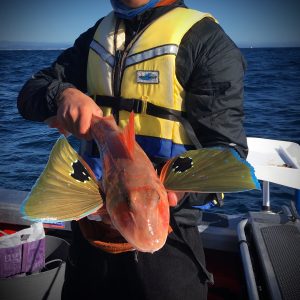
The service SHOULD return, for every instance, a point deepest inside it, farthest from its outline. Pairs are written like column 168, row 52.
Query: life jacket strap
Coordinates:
column 139, row 106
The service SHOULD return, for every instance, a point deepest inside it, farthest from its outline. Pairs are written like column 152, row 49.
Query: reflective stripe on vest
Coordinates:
column 136, row 58
column 106, row 56
column 151, row 53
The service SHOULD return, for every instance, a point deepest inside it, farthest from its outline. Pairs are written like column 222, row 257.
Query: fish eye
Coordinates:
column 158, row 198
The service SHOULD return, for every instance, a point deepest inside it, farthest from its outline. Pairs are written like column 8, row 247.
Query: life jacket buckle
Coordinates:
column 144, row 103
column 137, row 106
column 140, row 105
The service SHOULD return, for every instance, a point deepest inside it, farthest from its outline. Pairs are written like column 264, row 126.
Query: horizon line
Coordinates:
column 25, row 45
column 62, row 48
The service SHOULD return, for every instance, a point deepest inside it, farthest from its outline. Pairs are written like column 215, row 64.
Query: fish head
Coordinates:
column 141, row 215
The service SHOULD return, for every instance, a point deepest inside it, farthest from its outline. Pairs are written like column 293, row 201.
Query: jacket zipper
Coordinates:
column 120, row 59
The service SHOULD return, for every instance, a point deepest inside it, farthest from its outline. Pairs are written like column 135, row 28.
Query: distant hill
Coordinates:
column 9, row 45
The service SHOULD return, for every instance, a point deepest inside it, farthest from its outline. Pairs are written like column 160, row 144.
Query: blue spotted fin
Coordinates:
column 66, row 190
column 209, row 170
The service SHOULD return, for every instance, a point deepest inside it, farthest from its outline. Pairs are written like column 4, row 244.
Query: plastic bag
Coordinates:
column 23, row 251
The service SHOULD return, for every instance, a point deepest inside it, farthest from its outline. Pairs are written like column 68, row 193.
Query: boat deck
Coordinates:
column 272, row 240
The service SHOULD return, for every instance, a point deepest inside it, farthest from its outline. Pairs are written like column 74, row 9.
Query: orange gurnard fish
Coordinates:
column 135, row 196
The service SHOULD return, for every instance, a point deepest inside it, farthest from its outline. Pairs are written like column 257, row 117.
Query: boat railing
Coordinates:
column 277, row 162
column 274, row 162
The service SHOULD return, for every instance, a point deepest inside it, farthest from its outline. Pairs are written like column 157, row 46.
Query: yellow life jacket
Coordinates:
column 142, row 78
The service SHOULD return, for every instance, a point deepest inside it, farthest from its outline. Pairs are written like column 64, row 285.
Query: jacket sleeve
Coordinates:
column 37, row 98
column 212, row 73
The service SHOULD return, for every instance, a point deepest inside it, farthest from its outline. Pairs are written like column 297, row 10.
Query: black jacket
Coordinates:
column 209, row 66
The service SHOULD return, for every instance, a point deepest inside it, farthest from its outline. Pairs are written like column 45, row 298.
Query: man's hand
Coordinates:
column 75, row 112
column 52, row 122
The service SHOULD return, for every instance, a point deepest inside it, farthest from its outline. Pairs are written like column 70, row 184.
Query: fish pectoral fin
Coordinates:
column 66, row 190
column 209, row 170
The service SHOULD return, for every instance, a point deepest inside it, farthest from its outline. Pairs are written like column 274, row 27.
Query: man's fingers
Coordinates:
column 75, row 113
column 175, row 197
column 97, row 112
column 53, row 122
column 84, row 124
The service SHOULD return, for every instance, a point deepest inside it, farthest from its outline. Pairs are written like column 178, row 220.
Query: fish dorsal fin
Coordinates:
column 128, row 135
column 66, row 190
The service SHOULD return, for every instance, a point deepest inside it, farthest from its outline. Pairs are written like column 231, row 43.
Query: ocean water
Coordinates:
column 272, row 110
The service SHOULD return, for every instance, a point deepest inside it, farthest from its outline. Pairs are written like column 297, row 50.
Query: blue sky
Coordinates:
column 249, row 23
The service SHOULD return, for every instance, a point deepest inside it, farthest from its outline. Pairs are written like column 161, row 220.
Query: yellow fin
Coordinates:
column 66, row 190
column 209, row 170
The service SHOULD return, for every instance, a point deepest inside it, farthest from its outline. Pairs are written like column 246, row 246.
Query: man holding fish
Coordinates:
column 151, row 80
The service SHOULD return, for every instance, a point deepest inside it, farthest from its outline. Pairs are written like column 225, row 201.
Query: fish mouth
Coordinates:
column 144, row 233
